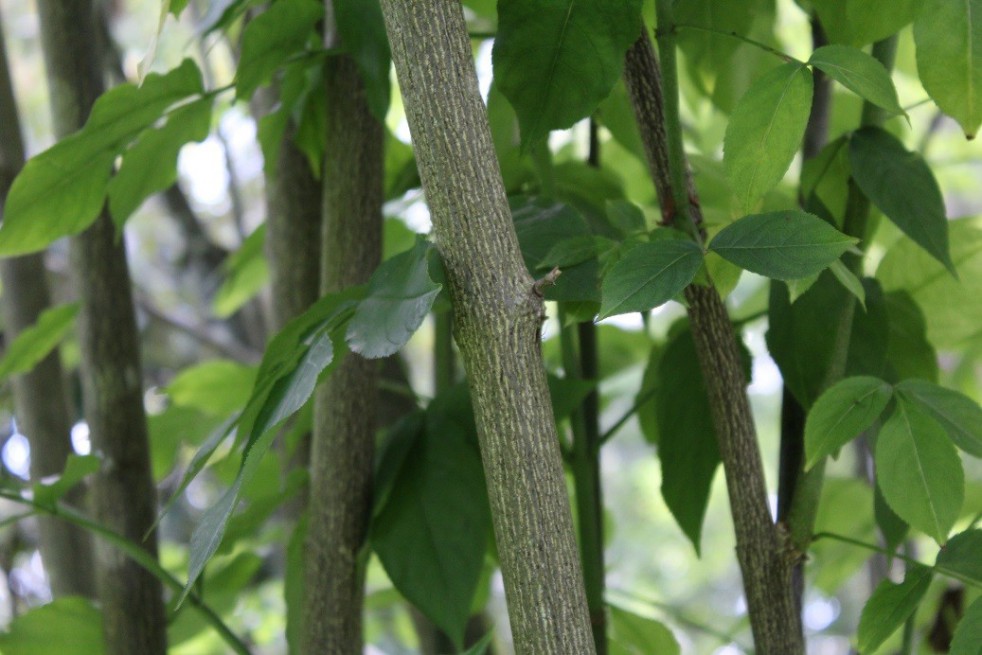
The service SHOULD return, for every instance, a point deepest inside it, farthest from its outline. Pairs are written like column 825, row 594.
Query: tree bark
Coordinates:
column 40, row 403
column 762, row 549
column 123, row 495
column 498, row 314
column 345, row 405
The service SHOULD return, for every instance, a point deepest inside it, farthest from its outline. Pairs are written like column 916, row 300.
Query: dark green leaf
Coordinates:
column 890, row 605
column 909, row 353
column 901, row 184
column 568, row 394
column 858, row 72
column 575, row 250
column 959, row 415
column 893, row 528
column 539, row 59
column 246, row 272
column 271, row 38
column 77, row 467
column 617, row 115
column 783, row 245
column 626, row 217
column 842, row 413
column 918, row 471
column 649, row 275
column 432, row 533
column 362, row 33
column 967, row 639
column 962, row 555
column 217, row 387
column 765, row 132
column 33, row 344
column 65, row 625
column 400, row 295
column 949, row 58
column 633, row 634
column 481, row 647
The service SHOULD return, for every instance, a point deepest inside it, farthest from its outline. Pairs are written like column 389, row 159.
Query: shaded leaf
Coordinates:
column 783, row 245
column 539, row 61
column 272, row 37
column 959, row 415
column 246, row 272
column 902, row 186
column 77, row 467
column 765, row 132
column 842, row 413
column 893, row 528
column 649, row 275
column 34, row 343
column 909, row 354
column 967, row 639
column 918, row 471
column 362, row 33
column 948, row 36
column 399, row 296
column 890, row 605
column 576, row 250
column 858, row 72
column 962, row 555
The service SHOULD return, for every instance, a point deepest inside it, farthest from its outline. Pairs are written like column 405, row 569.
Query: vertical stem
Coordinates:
column 444, row 362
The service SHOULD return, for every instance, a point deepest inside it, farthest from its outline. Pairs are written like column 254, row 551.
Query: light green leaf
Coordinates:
column 783, row 245
column 765, row 132
column 858, row 72
column 967, row 639
column 362, row 33
column 217, row 387
column 61, row 191
column 948, row 36
column 962, row 556
column 919, row 471
column 861, row 22
column 952, row 308
column 150, row 165
column 890, row 605
column 176, row 6
column 65, row 625
column 432, row 533
column 649, row 275
column 902, row 185
column 33, row 344
column 77, row 467
column 842, row 413
column 246, row 272
column 400, row 295
column 633, row 634
column 539, row 60
column 959, row 415
column 271, row 38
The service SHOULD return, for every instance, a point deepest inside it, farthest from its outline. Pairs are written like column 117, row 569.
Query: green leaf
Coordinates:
column 400, row 295
column 765, row 132
column 909, row 353
column 893, row 528
column 967, row 639
column 959, row 415
column 848, row 280
column 783, row 245
column 217, row 387
column 952, row 308
column 568, row 394
column 919, row 471
column 246, row 272
column 65, row 625
column 539, row 60
column 177, row 6
column 948, row 36
column 77, row 467
column 432, row 533
column 170, row 429
column 626, row 217
column 903, row 187
column 633, row 634
column 481, row 647
column 150, row 165
column 271, row 38
column 34, row 343
column 962, row 555
column 362, row 33
column 890, row 605
column 575, row 250
column 858, row 72
column 860, row 22
column 835, row 562
column 226, row 584
column 649, row 275
column 842, row 413
column 61, row 191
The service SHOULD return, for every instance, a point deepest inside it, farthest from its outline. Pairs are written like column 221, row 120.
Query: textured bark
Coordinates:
column 40, row 403
column 497, row 315
column 123, row 495
column 765, row 560
column 342, row 453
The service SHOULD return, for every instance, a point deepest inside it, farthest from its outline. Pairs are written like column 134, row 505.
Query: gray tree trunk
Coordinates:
column 123, row 495
column 40, row 403
column 498, row 314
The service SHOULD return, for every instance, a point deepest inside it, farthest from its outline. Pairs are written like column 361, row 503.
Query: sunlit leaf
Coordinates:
column 649, row 275
column 858, row 72
column 65, row 625
column 217, row 387
column 842, row 413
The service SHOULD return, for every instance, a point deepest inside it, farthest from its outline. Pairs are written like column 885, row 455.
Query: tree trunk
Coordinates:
column 345, row 406
column 123, row 495
column 498, row 314
column 40, row 403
